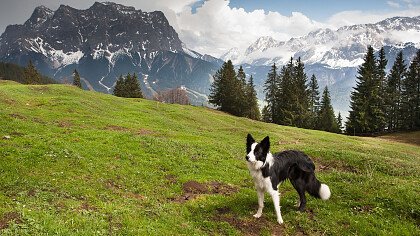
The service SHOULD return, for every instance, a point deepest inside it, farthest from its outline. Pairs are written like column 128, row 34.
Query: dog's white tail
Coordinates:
column 324, row 192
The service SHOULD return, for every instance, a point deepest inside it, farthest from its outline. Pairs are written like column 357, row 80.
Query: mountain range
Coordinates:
column 108, row 40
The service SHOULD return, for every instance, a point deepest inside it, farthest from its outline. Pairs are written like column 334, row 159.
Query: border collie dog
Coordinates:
column 269, row 170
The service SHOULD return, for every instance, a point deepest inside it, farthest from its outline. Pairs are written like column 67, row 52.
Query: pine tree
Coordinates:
column 381, row 90
column 266, row 114
column 119, row 88
column 286, row 101
column 271, row 89
column 314, row 104
column 339, row 123
column 227, row 90
column 363, row 99
column 128, row 87
column 218, row 90
column 241, row 89
column 394, row 93
column 132, row 87
column 411, row 96
column 301, row 96
column 326, row 117
column 76, row 79
column 31, row 74
column 252, row 109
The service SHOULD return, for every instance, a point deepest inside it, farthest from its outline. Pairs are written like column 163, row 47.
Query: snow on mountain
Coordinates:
column 344, row 47
column 105, row 41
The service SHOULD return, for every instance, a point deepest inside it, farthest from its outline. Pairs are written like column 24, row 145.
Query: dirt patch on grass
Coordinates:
column 39, row 88
column 85, row 206
column 8, row 218
column 329, row 165
column 64, row 124
column 120, row 190
column 250, row 225
column 116, row 128
column 193, row 189
column 145, row 132
column 363, row 209
column 409, row 137
column 172, row 179
column 31, row 192
column 18, row 116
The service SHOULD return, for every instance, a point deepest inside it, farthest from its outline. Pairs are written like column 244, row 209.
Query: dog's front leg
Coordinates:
column 260, row 194
column 276, row 201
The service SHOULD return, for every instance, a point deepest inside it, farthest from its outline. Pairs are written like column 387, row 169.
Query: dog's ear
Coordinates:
column 249, row 141
column 265, row 144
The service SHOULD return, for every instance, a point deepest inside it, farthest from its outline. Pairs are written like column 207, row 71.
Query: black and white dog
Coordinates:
column 269, row 170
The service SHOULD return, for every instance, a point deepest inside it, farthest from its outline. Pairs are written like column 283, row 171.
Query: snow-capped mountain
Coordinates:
column 333, row 55
column 103, row 42
column 344, row 47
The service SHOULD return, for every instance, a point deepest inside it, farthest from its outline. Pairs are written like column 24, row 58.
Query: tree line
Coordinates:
column 24, row 75
column 294, row 101
column 290, row 99
column 384, row 102
column 231, row 92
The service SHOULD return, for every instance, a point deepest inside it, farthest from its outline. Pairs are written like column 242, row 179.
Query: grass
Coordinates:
column 74, row 162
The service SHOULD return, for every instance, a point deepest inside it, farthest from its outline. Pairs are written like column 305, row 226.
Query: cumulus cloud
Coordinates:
column 216, row 27
column 362, row 17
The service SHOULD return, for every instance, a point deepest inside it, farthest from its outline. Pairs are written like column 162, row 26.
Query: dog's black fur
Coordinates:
column 291, row 164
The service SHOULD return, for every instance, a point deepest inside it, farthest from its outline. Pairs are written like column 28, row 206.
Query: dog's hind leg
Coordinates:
column 299, row 186
column 260, row 194
column 276, row 201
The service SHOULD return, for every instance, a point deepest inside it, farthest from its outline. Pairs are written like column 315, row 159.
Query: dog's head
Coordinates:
column 257, row 152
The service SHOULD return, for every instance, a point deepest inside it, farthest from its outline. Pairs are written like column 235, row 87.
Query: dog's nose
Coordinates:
column 247, row 157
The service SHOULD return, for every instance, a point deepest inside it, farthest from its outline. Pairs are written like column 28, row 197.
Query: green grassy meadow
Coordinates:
column 74, row 162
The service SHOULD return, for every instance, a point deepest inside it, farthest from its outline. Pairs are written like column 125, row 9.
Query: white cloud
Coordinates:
column 393, row 4
column 215, row 27
column 362, row 17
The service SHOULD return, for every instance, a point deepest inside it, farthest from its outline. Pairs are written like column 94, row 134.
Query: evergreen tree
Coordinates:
column 119, row 88
column 271, row 89
column 76, row 79
column 241, row 90
column 364, row 109
column 286, row 96
column 381, row 90
column 227, row 91
column 326, row 117
column 132, row 87
column 339, row 123
column 128, row 87
column 301, row 96
column 252, row 109
column 266, row 114
column 218, row 90
column 411, row 96
column 394, row 93
column 31, row 74
column 314, row 104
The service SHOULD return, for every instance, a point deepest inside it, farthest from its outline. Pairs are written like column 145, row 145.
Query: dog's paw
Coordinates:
column 280, row 221
column 258, row 215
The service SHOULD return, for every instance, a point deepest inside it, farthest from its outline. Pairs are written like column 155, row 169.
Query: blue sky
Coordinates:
column 322, row 9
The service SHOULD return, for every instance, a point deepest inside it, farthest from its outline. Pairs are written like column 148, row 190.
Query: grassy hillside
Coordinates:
column 83, row 163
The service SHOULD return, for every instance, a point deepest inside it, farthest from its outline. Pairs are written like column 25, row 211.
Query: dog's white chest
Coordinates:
column 260, row 182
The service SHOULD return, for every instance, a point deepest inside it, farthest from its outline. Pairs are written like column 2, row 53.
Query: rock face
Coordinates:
column 103, row 42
